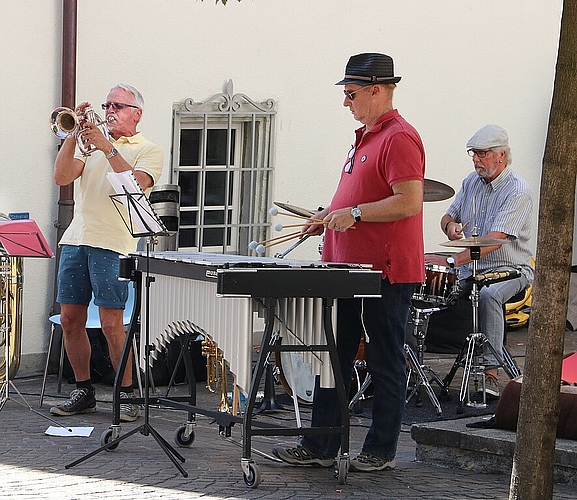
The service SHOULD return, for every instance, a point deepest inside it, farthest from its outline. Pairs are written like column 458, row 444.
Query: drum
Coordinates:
column 440, row 285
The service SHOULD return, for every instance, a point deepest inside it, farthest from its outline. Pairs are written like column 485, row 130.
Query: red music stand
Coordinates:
column 19, row 238
column 23, row 238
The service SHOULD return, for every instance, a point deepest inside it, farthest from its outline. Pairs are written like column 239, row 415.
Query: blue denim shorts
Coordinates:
column 84, row 271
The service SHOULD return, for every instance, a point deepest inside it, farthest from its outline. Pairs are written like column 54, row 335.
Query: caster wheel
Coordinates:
column 252, row 479
column 181, row 439
column 343, row 470
column 105, row 438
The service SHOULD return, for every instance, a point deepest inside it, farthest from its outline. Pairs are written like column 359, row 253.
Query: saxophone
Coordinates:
column 11, row 279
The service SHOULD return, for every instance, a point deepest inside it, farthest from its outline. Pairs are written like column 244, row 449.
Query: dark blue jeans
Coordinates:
column 383, row 322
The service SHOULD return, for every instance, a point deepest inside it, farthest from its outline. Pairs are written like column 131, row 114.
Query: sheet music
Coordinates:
column 140, row 211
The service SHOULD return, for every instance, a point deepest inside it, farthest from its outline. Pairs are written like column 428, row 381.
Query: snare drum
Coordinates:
column 439, row 286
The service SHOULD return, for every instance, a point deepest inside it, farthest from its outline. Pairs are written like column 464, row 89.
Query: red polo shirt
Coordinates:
column 390, row 152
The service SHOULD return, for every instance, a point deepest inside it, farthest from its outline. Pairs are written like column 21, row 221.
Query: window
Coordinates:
column 221, row 160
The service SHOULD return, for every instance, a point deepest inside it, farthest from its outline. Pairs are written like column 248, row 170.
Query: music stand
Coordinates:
column 19, row 238
column 141, row 220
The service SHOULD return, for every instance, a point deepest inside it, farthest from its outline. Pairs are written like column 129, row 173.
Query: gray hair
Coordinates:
column 507, row 150
column 138, row 99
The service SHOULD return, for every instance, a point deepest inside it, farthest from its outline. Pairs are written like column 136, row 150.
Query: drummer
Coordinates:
column 494, row 202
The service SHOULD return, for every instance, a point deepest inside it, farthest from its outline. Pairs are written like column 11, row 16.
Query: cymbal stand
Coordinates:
column 471, row 355
column 420, row 320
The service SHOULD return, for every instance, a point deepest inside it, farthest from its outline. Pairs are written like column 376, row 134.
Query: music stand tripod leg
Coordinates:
column 110, row 438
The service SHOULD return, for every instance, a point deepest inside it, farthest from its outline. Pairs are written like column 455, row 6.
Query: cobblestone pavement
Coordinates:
column 32, row 464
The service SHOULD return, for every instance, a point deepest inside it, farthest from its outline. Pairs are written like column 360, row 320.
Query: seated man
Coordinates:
column 494, row 202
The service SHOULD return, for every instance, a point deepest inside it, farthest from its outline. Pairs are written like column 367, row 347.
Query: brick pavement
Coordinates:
column 32, row 464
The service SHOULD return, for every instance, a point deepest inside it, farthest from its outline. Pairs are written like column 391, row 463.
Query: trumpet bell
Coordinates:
column 63, row 122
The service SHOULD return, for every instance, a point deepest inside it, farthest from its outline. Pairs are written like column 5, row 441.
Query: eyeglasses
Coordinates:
column 351, row 94
column 118, row 105
column 481, row 153
column 350, row 160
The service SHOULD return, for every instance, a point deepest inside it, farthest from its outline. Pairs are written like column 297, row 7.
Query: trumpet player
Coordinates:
column 91, row 245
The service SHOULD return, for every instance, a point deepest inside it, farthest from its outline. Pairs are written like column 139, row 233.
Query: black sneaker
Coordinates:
column 80, row 401
column 302, row 456
column 369, row 463
column 128, row 412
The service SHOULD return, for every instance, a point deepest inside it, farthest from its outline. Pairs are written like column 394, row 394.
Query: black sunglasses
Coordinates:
column 351, row 93
column 117, row 105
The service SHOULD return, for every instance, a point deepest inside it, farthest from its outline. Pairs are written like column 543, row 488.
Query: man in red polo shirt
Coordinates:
column 380, row 194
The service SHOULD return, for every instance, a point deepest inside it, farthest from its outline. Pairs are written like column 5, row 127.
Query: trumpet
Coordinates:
column 216, row 372
column 65, row 122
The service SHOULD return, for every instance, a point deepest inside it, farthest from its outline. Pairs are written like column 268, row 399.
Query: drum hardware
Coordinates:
column 436, row 191
column 471, row 355
column 437, row 291
column 417, row 370
column 361, row 378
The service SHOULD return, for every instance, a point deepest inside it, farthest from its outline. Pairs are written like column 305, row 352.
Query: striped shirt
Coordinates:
column 503, row 205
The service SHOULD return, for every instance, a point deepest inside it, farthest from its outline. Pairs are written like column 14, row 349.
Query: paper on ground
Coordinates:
column 69, row 431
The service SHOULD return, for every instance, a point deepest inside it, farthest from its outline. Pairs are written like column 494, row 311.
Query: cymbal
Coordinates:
column 293, row 209
column 437, row 191
column 474, row 241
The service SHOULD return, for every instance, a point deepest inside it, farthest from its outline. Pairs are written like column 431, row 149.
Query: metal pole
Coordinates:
column 66, row 195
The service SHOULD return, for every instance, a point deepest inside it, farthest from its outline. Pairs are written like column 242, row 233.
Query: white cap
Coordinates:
column 489, row 136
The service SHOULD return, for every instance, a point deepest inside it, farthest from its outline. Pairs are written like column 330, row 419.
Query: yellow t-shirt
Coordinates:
column 96, row 221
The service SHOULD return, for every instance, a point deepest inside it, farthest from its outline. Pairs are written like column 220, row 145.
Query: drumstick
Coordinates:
column 464, row 226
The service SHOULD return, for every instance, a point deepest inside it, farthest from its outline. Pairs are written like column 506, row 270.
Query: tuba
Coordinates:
column 11, row 279
column 65, row 122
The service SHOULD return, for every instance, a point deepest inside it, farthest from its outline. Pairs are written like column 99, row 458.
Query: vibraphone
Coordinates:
column 222, row 295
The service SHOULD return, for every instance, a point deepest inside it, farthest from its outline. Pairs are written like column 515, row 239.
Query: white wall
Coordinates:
column 464, row 64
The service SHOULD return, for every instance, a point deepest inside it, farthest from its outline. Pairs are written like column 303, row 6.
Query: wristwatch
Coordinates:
column 356, row 213
column 451, row 262
column 113, row 152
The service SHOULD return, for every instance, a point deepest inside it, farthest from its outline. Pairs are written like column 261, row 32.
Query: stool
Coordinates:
column 92, row 321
